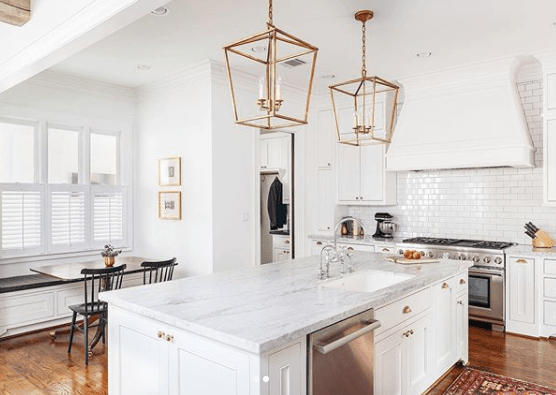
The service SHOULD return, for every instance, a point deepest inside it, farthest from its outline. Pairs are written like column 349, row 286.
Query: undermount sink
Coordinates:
column 368, row 280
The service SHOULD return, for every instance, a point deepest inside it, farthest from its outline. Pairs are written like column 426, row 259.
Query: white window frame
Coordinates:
column 125, row 212
column 42, row 121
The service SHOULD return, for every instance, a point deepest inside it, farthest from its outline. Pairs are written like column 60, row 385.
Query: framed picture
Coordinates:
column 169, row 205
column 169, row 171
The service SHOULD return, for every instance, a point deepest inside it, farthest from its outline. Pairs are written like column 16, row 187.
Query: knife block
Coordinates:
column 542, row 240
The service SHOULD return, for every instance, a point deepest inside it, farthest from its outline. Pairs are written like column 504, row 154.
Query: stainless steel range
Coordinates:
column 486, row 277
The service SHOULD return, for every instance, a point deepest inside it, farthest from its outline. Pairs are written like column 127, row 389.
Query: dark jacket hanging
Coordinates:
column 277, row 212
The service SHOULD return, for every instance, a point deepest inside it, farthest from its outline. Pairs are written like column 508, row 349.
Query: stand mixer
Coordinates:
column 384, row 226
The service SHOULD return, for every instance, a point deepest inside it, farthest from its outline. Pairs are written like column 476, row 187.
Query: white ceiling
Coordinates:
column 456, row 32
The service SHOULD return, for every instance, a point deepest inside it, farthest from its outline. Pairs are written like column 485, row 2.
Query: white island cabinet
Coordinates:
column 245, row 332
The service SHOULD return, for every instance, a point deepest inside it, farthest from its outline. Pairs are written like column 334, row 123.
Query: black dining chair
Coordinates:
column 157, row 272
column 96, row 280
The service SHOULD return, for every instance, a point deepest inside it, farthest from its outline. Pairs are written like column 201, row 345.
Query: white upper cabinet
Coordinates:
column 325, row 135
column 361, row 175
column 549, row 135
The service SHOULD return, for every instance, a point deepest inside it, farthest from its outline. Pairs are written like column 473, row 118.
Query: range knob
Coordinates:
column 498, row 260
column 400, row 252
column 486, row 259
column 423, row 253
column 476, row 258
column 430, row 254
column 446, row 255
column 462, row 257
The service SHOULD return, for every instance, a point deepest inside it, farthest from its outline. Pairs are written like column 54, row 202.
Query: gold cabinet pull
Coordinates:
column 160, row 334
column 287, row 242
column 521, row 261
column 445, row 285
column 408, row 333
column 406, row 310
column 169, row 338
column 319, row 243
column 462, row 281
column 460, row 302
column 385, row 250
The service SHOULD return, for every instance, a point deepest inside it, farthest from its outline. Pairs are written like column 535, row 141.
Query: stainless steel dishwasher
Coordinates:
column 341, row 357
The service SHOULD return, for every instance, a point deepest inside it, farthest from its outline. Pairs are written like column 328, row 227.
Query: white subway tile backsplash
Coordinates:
column 489, row 204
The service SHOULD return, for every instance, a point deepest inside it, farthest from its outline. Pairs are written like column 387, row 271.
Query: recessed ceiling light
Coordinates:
column 144, row 67
column 423, row 54
column 160, row 11
column 259, row 48
column 328, row 76
column 553, row 24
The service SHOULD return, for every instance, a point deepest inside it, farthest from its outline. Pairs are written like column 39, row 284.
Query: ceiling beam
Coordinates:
column 15, row 12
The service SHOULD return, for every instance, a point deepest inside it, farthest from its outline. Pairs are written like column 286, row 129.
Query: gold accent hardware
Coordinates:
column 407, row 310
column 445, row 285
column 277, row 48
column 160, row 334
column 521, row 261
column 287, row 242
column 460, row 302
column 462, row 281
column 385, row 250
column 169, row 338
column 368, row 94
column 411, row 332
column 319, row 243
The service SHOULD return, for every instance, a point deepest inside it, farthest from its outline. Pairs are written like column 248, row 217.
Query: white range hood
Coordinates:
column 464, row 118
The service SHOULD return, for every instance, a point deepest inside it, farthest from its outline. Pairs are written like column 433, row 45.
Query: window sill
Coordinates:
column 56, row 256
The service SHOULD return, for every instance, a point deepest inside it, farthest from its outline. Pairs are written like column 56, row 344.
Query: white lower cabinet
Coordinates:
column 151, row 358
column 404, row 359
column 444, row 311
column 410, row 355
column 521, row 296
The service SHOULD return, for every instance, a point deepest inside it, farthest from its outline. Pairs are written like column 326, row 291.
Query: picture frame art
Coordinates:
column 169, row 205
column 169, row 171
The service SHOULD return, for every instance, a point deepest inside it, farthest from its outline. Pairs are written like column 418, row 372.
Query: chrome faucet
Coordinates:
column 330, row 254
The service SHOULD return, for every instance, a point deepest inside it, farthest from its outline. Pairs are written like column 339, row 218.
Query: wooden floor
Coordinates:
column 32, row 364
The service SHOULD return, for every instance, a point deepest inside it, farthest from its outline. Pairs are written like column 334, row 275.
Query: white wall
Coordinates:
column 189, row 115
column 69, row 101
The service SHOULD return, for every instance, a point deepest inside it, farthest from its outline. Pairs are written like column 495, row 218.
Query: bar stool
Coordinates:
column 106, row 279
column 156, row 272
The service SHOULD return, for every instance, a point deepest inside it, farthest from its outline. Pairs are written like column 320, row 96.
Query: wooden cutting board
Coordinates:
column 404, row 261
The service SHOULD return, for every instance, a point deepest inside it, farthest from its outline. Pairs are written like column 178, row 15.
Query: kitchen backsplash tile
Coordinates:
column 491, row 203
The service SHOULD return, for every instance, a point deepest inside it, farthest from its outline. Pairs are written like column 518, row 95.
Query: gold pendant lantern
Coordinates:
column 278, row 59
column 364, row 108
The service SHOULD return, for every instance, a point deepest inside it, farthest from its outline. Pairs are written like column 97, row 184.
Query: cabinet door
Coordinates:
column 281, row 254
column 201, row 367
column 521, row 281
column 462, row 327
column 325, row 200
column 325, row 134
column 389, row 365
column 417, row 354
column 287, row 168
column 550, row 160
column 348, row 173
column 372, row 173
column 284, row 371
column 264, row 153
column 444, row 320
column 138, row 358
column 275, row 153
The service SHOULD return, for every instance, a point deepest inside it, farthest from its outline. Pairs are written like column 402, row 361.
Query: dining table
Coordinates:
column 71, row 272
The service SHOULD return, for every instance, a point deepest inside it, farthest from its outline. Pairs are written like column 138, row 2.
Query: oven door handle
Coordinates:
column 326, row 348
column 485, row 273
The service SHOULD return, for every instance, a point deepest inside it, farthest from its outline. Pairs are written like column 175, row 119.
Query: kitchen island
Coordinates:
column 244, row 331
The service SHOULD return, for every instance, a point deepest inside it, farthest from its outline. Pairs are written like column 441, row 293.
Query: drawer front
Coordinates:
column 397, row 312
column 26, row 309
column 281, row 241
column 549, row 313
column 461, row 283
column 69, row 297
column 317, row 246
column 550, row 266
column 550, row 287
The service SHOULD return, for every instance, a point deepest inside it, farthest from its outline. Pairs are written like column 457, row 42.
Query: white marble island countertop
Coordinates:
column 260, row 308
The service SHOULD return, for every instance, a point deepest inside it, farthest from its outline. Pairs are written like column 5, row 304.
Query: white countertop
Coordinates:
column 530, row 251
column 356, row 240
column 260, row 308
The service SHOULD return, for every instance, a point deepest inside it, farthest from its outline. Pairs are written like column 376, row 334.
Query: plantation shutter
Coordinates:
column 108, row 215
column 21, row 219
column 67, row 217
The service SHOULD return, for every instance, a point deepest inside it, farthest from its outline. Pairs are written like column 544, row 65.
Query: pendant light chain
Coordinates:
column 364, row 47
column 270, row 22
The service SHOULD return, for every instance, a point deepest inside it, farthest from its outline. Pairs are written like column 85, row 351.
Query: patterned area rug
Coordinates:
column 478, row 382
